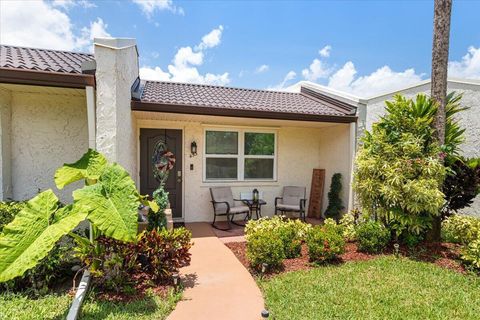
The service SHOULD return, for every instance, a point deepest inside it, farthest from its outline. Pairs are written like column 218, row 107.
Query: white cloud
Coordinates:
column 211, row 39
column 40, row 24
column 186, row 56
column 325, row 51
column 317, row 70
column 381, row 80
column 288, row 77
column 150, row 6
column 97, row 29
column 155, row 73
column 185, row 62
column 342, row 79
column 263, row 68
column 468, row 67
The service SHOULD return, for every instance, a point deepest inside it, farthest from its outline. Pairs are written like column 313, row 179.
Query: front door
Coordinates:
column 148, row 184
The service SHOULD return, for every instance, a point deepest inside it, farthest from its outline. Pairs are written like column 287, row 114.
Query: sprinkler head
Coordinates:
column 264, row 267
column 396, row 247
column 176, row 279
column 265, row 314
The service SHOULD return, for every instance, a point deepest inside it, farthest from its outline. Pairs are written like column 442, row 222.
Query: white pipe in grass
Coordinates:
column 80, row 295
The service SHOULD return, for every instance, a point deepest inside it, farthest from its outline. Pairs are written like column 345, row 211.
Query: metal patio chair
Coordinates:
column 224, row 205
column 292, row 200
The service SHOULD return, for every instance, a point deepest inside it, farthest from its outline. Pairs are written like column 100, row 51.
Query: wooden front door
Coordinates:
column 148, row 184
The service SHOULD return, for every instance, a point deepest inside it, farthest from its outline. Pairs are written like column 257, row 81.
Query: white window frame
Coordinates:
column 241, row 154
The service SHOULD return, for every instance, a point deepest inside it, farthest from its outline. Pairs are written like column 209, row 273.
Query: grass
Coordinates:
column 15, row 306
column 383, row 288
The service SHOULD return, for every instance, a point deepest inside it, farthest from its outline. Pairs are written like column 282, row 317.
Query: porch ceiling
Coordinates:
column 193, row 99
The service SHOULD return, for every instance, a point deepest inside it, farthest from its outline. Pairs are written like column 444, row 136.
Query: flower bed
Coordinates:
column 445, row 255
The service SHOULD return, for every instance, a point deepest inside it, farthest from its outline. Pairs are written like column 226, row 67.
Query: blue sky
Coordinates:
column 369, row 46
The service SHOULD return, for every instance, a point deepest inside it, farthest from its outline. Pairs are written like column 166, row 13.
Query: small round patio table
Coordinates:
column 255, row 207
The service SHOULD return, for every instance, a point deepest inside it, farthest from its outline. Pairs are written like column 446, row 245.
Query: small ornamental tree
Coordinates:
column 335, row 205
column 399, row 170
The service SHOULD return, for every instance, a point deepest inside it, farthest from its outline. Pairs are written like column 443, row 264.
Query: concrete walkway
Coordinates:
column 217, row 284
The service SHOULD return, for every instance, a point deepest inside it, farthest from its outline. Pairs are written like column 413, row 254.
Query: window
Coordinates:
column 239, row 155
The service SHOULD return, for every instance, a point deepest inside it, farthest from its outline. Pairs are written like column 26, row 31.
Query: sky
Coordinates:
column 360, row 47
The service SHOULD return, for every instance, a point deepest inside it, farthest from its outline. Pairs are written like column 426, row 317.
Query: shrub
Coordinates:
column 325, row 243
column 265, row 247
column 372, row 237
column 347, row 223
column 399, row 168
column 461, row 229
column 411, row 239
column 334, row 201
column 461, row 185
column 470, row 255
column 162, row 253
column 8, row 211
column 111, row 262
column 157, row 255
column 291, row 232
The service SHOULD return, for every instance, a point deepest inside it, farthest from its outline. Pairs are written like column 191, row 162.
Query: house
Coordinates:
column 55, row 105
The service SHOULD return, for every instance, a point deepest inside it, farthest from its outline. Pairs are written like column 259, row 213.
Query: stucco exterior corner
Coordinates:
column 5, row 144
column 117, row 70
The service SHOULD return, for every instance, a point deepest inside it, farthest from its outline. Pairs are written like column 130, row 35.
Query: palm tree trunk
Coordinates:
column 441, row 40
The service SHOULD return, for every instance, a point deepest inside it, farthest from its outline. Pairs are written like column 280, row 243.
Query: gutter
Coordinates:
column 239, row 113
column 46, row 78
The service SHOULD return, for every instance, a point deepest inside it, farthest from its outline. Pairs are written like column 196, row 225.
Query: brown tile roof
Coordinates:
column 241, row 100
column 42, row 60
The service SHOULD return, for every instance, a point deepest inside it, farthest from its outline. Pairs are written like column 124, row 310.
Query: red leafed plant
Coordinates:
column 156, row 255
column 162, row 253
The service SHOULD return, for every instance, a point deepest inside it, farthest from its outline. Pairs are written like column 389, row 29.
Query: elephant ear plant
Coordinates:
column 109, row 201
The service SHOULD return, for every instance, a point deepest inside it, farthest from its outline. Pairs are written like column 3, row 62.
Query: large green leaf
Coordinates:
column 89, row 166
column 112, row 203
column 33, row 233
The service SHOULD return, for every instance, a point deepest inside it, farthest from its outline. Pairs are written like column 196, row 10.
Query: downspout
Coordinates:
column 90, row 93
column 356, row 132
column 352, row 151
column 91, row 121
column 81, row 294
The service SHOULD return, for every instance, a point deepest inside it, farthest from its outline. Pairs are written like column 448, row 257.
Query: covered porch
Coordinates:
column 237, row 147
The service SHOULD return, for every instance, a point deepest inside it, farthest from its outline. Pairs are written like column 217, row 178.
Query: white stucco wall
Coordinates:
column 5, row 144
column 469, row 119
column 48, row 129
column 117, row 69
column 299, row 149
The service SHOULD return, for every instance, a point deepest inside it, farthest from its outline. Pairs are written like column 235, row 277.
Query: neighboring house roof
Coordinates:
column 44, row 67
column 356, row 100
column 227, row 101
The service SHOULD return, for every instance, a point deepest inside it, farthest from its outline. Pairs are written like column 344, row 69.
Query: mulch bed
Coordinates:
column 442, row 254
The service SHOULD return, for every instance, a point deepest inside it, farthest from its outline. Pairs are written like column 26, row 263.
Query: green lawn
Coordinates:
column 56, row 307
column 383, row 288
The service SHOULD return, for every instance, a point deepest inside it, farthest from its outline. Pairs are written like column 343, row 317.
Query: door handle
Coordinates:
column 179, row 176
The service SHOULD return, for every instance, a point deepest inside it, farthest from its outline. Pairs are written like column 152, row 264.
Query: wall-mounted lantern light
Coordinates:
column 193, row 149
